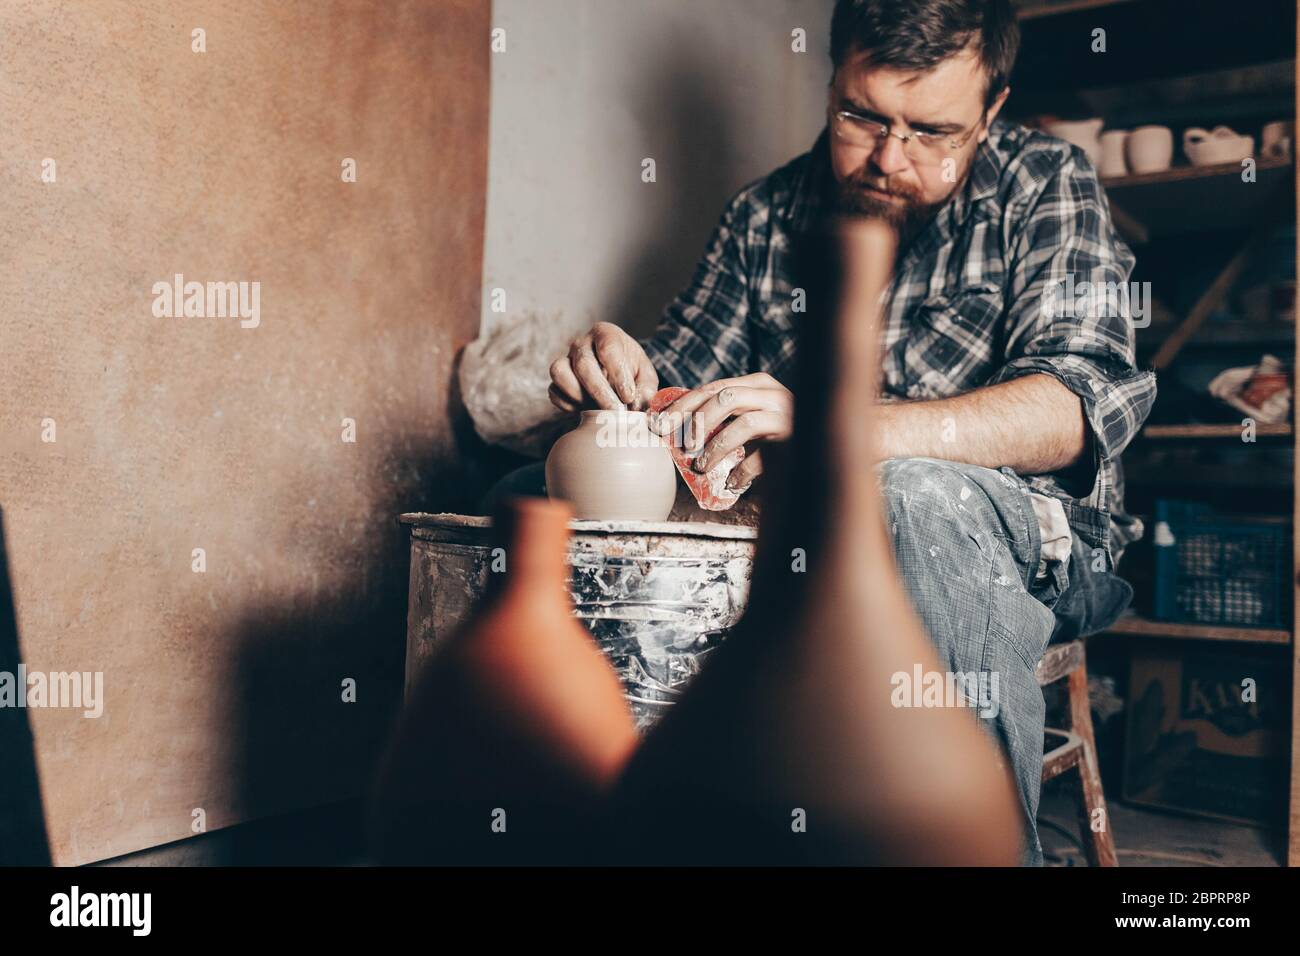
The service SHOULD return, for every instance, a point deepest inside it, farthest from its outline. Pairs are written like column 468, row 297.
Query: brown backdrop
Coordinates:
column 223, row 689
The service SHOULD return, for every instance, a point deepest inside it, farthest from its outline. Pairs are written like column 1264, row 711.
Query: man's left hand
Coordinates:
column 760, row 409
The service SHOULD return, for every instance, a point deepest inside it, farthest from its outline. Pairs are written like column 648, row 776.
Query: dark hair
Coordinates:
column 919, row 34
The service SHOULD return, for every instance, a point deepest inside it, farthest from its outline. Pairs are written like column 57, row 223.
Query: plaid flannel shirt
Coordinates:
column 966, row 306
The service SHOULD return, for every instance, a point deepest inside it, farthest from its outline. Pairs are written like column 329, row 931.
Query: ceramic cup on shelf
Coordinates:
column 1150, row 149
column 519, row 708
column 1082, row 133
column 1112, row 153
column 1276, row 139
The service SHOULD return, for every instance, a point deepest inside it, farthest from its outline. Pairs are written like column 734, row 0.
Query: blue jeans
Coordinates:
column 967, row 544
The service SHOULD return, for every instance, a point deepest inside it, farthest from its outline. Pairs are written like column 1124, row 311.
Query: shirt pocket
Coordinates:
column 776, row 309
column 953, row 341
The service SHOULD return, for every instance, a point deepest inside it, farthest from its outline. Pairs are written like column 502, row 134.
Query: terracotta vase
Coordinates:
column 519, row 725
column 612, row 467
column 787, row 747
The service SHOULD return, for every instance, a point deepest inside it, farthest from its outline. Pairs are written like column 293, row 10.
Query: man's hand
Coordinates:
column 605, row 366
column 759, row 407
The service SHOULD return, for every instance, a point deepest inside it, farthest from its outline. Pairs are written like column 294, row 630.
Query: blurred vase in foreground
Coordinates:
column 517, row 727
column 787, row 748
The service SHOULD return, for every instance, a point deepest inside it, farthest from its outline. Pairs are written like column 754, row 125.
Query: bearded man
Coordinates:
column 1002, row 415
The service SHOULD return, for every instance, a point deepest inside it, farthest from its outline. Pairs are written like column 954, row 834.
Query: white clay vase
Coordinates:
column 612, row 467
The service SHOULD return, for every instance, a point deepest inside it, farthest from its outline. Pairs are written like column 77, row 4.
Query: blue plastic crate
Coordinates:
column 1219, row 569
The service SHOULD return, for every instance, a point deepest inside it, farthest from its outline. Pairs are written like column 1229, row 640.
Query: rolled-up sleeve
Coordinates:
column 702, row 335
column 1070, row 313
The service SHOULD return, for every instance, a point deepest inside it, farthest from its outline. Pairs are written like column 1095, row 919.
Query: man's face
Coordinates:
column 882, row 180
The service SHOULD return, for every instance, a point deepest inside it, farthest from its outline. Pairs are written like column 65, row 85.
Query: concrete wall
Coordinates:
column 128, row 440
column 587, row 89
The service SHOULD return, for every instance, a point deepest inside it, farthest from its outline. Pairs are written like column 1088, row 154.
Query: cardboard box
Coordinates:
column 1206, row 731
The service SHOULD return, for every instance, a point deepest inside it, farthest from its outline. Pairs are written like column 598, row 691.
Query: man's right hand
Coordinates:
column 605, row 367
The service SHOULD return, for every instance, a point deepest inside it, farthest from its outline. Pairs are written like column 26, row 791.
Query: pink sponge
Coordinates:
column 710, row 489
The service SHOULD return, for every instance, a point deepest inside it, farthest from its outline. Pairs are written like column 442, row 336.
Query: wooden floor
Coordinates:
column 331, row 836
column 1155, row 838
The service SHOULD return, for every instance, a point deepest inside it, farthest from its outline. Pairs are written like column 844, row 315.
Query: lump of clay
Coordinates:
column 504, row 376
column 744, row 513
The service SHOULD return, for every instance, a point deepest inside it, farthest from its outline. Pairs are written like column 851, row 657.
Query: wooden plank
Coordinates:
column 1064, row 755
column 1058, row 661
column 1179, row 174
column 1129, row 226
column 1099, row 843
column 1206, row 304
column 1038, row 10
column 1145, row 627
column 215, row 685
column 1264, row 333
column 1187, row 199
column 1058, row 73
column 1293, row 832
column 1188, row 476
column 1229, row 430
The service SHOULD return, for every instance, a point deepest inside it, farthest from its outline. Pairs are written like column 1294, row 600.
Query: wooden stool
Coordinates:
column 1077, row 748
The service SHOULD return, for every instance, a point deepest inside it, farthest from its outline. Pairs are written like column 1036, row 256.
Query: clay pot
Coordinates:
column 612, row 467
column 519, row 718
column 1263, row 387
column 785, row 748
column 1150, row 149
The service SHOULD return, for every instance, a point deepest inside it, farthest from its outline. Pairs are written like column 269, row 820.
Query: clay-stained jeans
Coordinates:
column 967, row 544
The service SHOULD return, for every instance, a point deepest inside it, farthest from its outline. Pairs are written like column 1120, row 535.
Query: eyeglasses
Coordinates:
column 923, row 149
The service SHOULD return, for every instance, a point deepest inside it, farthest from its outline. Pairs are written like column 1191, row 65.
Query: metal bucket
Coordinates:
column 657, row 596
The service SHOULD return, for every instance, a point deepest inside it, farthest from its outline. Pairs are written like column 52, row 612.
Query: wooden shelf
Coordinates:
column 1192, row 481
column 1245, row 332
column 1146, row 627
column 1230, row 430
column 1034, row 11
column 1182, row 63
column 1188, row 199
column 1147, row 41
column 1178, row 174
column 1275, row 336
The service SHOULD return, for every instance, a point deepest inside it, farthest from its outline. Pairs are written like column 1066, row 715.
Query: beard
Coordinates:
column 905, row 210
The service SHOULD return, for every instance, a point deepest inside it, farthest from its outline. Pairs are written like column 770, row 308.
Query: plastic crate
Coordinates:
column 1220, row 569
